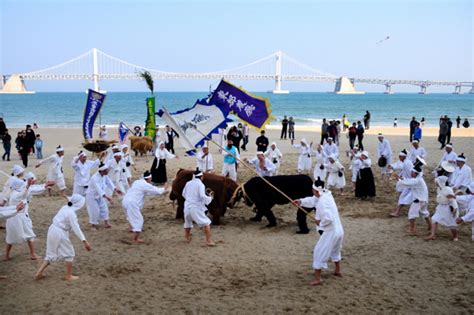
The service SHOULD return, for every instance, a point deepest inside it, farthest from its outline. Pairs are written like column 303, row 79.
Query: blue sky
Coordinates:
column 428, row 39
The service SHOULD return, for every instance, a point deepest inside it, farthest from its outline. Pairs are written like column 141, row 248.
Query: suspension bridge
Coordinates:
column 278, row 67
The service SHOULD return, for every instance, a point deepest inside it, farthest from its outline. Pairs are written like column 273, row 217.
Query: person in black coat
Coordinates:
column 413, row 124
column 262, row 142
column 22, row 146
column 3, row 128
column 7, row 139
column 30, row 139
column 236, row 136
column 169, row 140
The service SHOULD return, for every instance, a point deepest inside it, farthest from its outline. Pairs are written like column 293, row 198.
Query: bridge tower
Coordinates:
column 278, row 89
column 388, row 89
column 14, row 85
column 423, row 89
column 344, row 85
column 457, row 89
column 472, row 89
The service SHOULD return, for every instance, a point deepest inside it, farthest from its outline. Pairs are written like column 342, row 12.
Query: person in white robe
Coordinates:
column 17, row 172
column 330, row 149
column 204, row 160
column 10, row 211
column 58, row 243
column 275, row 155
column 462, row 175
column 419, row 195
column 19, row 229
column 82, row 168
column 263, row 166
column 384, row 150
column 96, row 197
column 447, row 210
column 354, row 156
column 196, row 199
column 449, row 155
column 304, row 160
column 329, row 223
column 336, row 177
column 55, row 170
column 128, row 161
column 402, row 169
column 468, row 201
column 134, row 200
column 319, row 169
column 117, row 174
column 415, row 151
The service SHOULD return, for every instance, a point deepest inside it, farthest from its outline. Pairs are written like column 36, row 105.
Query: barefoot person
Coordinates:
column 304, row 160
column 446, row 211
column 419, row 195
column 134, row 200
column 55, row 170
column 9, row 212
column 335, row 171
column 467, row 203
column 96, row 197
column 196, row 199
column 402, row 169
column 58, row 243
column 330, row 243
column 20, row 227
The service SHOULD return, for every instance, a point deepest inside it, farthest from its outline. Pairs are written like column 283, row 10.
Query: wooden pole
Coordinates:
column 264, row 179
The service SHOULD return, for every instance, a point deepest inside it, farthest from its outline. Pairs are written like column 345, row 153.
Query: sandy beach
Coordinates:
column 252, row 269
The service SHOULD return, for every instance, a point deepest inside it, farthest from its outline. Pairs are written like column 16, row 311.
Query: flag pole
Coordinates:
column 263, row 178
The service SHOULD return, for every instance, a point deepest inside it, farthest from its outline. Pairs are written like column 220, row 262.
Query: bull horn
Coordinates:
column 234, row 195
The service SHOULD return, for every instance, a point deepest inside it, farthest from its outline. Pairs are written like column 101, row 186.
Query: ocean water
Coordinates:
column 67, row 109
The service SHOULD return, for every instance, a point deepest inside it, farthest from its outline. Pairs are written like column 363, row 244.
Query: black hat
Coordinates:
column 146, row 175
column 318, row 183
column 197, row 172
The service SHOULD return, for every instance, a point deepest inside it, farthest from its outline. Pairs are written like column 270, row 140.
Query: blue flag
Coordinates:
column 95, row 100
column 252, row 109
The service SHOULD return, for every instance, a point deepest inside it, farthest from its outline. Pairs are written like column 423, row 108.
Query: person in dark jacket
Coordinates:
column 352, row 135
column 22, row 146
column 262, row 142
column 458, row 122
column 360, row 135
column 284, row 128
column 169, row 139
column 413, row 124
column 7, row 145
column 3, row 128
column 30, row 139
column 443, row 132
column 450, row 125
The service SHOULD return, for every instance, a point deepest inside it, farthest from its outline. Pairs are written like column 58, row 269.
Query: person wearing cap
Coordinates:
column 415, row 151
column 336, row 176
column 263, row 166
column 320, row 171
column 134, row 200
column 384, row 151
column 402, row 169
column 96, row 197
column 330, row 149
column 365, row 183
column 462, row 175
column 103, row 133
column 449, row 155
column 447, row 210
column 17, row 172
column 304, row 160
column 274, row 155
column 128, row 161
column 117, row 173
column 231, row 158
column 55, row 170
column 419, row 198
column 196, row 199
column 58, row 243
column 204, row 160
column 466, row 202
column 82, row 168
column 20, row 228
column 158, row 168
column 329, row 224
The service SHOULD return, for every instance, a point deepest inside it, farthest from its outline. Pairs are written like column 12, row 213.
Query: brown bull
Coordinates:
column 223, row 188
column 141, row 145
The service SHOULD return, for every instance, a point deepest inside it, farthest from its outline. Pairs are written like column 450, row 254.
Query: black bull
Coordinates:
column 257, row 192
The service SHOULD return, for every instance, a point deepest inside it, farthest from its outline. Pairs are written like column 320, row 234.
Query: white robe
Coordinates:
column 330, row 150
column 128, row 169
column 468, row 200
column 97, row 207
column 329, row 244
column 443, row 214
column 383, row 149
column 20, row 227
column 451, row 156
column 403, row 169
column 462, row 177
column 194, row 193
column 274, row 156
column 55, row 171
column 421, row 152
column 134, row 201
column 318, row 172
column 204, row 163
column 356, row 163
column 82, row 174
column 58, row 243
column 117, row 175
column 334, row 180
column 304, row 160
column 418, row 192
column 7, row 212
column 270, row 167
